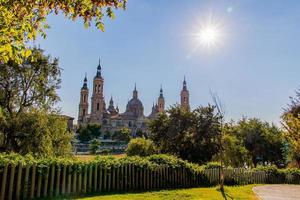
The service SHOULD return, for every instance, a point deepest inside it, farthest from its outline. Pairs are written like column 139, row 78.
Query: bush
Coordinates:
column 212, row 165
column 140, row 147
column 94, row 146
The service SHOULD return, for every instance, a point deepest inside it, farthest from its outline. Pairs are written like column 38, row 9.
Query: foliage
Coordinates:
column 33, row 83
column 37, row 132
column 212, row 165
column 89, row 132
column 140, row 147
column 141, row 133
column 94, row 146
column 235, row 153
column 191, row 135
column 264, row 142
column 294, row 105
column 23, row 20
column 28, row 121
column 107, row 135
column 107, row 162
column 292, row 133
column 124, row 134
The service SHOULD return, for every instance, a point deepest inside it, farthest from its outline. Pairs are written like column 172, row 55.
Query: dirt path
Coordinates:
column 278, row 192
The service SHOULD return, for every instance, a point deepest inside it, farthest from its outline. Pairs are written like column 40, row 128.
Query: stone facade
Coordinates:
column 110, row 118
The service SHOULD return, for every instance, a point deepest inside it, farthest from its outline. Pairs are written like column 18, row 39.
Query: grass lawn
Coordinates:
column 240, row 192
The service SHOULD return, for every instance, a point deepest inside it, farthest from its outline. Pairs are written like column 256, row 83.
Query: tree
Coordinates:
column 36, row 132
column 235, row 152
column 140, row 147
column 292, row 127
column 141, row 133
column 22, row 20
column 32, row 84
column 94, row 146
column 191, row 135
column 263, row 141
column 89, row 132
column 124, row 134
column 27, row 98
column 294, row 105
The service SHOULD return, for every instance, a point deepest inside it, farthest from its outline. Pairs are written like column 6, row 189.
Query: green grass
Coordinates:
column 239, row 192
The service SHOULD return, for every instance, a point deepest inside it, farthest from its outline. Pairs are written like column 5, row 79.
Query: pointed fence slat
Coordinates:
column 3, row 182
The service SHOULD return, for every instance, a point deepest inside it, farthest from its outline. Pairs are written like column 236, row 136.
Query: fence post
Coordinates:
column 32, row 181
column 69, row 182
column 46, row 183
column 26, row 182
column 58, row 171
column 80, row 180
column 19, row 181
column 63, row 189
column 11, row 181
column 3, row 186
column 52, row 180
column 39, row 185
column 104, row 179
column 74, row 190
column 90, row 171
column 100, row 179
column 95, row 177
column 85, row 178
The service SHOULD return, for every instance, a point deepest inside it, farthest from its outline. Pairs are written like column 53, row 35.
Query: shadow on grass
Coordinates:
column 225, row 195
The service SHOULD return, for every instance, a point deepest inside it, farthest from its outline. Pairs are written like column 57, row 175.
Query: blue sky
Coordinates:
column 254, row 69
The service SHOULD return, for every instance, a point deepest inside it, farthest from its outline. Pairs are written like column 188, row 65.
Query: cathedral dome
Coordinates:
column 134, row 107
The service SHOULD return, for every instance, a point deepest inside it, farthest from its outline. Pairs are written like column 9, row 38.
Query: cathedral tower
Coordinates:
column 98, row 103
column 83, row 104
column 185, row 97
column 161, row 101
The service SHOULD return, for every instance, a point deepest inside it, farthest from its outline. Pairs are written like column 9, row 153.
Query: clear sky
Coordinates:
column 254, row 69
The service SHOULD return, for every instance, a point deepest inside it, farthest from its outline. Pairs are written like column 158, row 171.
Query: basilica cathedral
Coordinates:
column 109, row 117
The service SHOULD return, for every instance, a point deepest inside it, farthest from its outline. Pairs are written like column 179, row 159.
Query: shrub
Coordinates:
column 140, row 147
column 94, row 146
column 212, row 165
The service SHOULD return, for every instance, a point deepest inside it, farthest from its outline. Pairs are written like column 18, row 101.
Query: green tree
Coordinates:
column 292, row 133
column 191, row 135
column 27, row 98
column 140, row 147
column 37, row 132
column 23, row 20
column 235, row 153
column 264, row 142
column 89, row 132
column 124, row 134
column 94, row 146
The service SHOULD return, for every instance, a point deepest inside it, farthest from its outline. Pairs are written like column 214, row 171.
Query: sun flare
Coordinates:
column 208, row 36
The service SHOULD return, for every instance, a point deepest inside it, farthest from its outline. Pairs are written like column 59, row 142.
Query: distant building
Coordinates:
column 110, row 118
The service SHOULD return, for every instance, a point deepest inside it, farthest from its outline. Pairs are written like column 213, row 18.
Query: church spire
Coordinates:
column 185, row 96
column 161, row 92
column 98, row 70
column 84, row 82
column 184, row 84
column 135, row 93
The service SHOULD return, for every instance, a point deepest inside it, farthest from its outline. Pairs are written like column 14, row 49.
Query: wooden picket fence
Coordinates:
column 241, row 176
column 28, row 182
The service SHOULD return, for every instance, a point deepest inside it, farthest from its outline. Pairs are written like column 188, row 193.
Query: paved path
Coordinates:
column 278, row 192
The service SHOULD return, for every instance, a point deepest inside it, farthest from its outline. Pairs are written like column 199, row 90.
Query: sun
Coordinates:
column 208, row 36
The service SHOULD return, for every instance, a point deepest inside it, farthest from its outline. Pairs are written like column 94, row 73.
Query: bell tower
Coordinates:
column 161, row 101
column 98, row 103
column 83, row 104
column 185, row 97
